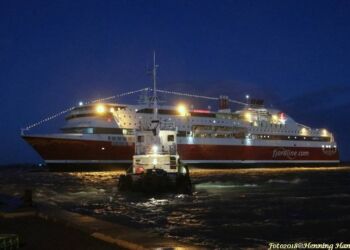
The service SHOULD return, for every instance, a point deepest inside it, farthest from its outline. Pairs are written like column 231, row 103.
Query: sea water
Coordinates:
column 228, row 209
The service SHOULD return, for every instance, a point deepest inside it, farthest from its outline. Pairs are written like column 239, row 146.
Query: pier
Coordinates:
column 37, row 225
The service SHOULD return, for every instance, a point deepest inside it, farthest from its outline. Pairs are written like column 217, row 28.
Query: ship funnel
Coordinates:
column 224, row 102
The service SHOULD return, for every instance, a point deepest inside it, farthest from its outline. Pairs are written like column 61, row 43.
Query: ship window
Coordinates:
column 171, row 138
column 90, row 130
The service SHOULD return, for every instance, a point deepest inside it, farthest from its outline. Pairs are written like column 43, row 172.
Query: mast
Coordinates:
column 155, row 104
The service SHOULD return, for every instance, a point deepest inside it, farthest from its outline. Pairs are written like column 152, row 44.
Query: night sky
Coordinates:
column 294, row 54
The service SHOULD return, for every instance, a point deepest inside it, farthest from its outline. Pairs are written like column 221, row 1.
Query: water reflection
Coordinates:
column 229, row 208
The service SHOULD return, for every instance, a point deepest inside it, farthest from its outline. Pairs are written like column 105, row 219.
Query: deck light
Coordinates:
column 155, row 162
column 100, row 108
column 274, row 118
column 154, row 149
column 81, row 103
column 181, row 108
column 324, row 132
column 303, row 131
column 248, row 116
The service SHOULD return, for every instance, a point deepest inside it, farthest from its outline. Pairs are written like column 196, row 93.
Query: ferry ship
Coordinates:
column 101, row 135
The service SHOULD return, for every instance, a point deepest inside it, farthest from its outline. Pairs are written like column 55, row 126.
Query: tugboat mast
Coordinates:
column 155, row 103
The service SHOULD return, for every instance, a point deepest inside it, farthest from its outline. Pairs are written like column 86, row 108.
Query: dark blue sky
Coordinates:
column 295, row 54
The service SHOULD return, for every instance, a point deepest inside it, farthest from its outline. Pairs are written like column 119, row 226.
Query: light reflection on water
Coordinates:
column 208, row 186
column 229, row 208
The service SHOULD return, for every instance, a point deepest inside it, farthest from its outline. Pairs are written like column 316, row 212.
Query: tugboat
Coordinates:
column 156, row 166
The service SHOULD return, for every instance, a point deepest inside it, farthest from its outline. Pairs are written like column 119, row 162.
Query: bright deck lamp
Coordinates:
column 248, row 116
column 100, row 109
column 154, row 149
column 154, row 162
column 324, row 132
column 181, row 108
column 274, row 118
column 304, row 131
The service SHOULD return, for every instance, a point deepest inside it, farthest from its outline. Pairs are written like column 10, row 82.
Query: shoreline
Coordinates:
column 84, row 230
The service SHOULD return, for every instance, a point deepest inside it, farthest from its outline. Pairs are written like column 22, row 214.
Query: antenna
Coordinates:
column 155, row 104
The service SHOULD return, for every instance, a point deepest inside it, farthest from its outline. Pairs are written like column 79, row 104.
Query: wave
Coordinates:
column 282, row 181
column 219, row 185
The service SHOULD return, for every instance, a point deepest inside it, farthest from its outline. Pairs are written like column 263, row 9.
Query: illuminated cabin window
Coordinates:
column 294, row 138
column 81, row 130
column 90, row 130
column 93, row 107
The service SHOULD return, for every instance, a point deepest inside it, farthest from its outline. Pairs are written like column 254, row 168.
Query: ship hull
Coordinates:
column 88, row 154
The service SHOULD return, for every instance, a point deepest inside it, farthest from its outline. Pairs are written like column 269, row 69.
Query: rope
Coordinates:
column 120, row 95
column 187, row 94
column 71, row 108
column 125, row 94
column 49, row 118
column 237, row 102
column 198, row 96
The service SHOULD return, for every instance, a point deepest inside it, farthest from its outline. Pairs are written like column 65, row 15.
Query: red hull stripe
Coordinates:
column 184, row 161
column 89, row 161
column 254, row 162
column 255, row 153
column 77, row 150
column 66, row 149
